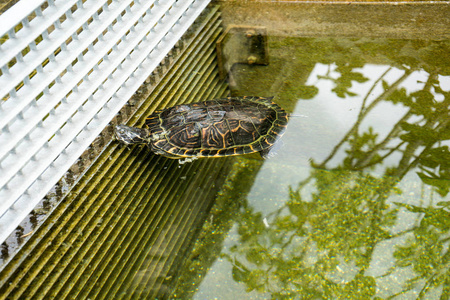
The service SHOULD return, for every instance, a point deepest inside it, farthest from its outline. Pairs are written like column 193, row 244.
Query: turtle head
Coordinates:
column 131, row 135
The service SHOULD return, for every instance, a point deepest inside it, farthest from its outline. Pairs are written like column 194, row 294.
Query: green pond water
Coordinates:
column 355, row 205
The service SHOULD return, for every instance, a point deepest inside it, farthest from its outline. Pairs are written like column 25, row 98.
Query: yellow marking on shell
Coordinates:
column 229, row 128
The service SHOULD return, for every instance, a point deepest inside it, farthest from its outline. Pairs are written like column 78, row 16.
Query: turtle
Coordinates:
column 214, row 128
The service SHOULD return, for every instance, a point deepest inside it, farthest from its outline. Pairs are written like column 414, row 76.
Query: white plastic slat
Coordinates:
column 16, row 14
column 44, row 49
column 35, row 27
column 52, row 160
column 28, row 149
column 37, row 110
column 25, row 97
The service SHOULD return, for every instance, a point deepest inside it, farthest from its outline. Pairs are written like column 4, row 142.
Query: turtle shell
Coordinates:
column 221, row 127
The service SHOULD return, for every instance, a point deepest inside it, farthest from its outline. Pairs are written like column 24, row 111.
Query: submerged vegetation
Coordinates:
column 352, row 229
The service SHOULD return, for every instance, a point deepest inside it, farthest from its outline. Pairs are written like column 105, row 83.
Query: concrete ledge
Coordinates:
column 388, row 20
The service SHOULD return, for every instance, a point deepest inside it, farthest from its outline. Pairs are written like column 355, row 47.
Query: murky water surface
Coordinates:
column 355, row 205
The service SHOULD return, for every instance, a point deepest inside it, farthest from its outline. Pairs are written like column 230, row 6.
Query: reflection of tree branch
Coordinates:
column 445, row 240
column 441, row 120
column 401, row 233
column 379, row 160
column 394, row 132
column 377, row 208
column 395, row 295
column 404, row 165
column 362, row 115
column 369, row 92
column 431, row 281
column 391, row 237
column 428, row 284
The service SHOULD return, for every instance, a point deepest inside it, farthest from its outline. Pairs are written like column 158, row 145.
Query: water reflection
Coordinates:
column 356, row 204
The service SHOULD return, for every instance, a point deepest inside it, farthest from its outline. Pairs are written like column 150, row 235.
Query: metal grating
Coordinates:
column 124, row 229
column 66, row 69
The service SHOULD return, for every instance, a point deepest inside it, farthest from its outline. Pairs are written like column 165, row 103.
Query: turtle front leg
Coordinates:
column 187, row 160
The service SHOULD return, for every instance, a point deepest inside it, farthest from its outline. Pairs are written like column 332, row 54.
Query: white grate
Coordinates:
column 67, row 67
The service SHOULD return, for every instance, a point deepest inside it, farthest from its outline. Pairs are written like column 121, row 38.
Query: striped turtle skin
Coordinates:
column 221, row 127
